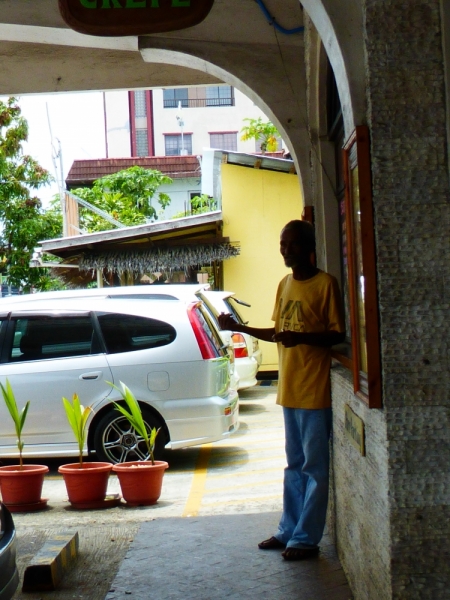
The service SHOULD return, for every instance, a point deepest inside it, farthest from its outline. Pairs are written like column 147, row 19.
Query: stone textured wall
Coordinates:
column 392, row 507
column 406, row 97
column 359, row 508
column 390, row 510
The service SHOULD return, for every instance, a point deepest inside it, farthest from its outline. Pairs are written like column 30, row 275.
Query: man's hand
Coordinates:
column 226, row 321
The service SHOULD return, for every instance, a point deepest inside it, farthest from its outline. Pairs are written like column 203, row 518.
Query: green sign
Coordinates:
column 132, row 17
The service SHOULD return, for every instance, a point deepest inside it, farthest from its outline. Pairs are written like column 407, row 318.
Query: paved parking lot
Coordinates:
column 199, row 540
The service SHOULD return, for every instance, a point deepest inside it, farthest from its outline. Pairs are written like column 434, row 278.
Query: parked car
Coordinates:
column 9, row 575
column 247, row 354
column 166, row 350
column 244, row 349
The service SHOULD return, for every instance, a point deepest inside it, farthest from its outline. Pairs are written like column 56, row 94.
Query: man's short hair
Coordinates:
column 305, row 233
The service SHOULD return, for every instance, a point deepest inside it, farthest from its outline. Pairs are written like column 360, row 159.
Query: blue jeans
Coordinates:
column 305, row 488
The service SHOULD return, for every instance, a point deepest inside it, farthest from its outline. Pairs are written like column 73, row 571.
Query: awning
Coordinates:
column 154, row 260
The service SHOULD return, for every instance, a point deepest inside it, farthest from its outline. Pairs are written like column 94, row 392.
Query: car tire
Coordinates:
column 116, row 441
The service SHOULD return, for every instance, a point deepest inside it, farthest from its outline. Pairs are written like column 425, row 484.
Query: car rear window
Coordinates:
column 210, row 328
column 128, row 333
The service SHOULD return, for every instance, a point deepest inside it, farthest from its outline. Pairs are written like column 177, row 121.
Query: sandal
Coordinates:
column 271, row 544
column 299, row 553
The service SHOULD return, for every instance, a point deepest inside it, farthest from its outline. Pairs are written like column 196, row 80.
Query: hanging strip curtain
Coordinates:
column 176, row 258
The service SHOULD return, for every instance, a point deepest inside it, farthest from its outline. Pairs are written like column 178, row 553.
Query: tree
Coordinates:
column 266, row 133
column 126, row 195
column 23, row 221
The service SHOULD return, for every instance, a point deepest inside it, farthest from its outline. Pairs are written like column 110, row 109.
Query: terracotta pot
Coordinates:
column 87, row 485
column 141, row 482
column 22, row 486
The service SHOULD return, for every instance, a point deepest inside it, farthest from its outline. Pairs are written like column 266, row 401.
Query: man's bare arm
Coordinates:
column 226, row 321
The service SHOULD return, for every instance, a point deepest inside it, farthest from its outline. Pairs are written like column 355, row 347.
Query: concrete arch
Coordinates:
column 275, row 81
column 341, row 32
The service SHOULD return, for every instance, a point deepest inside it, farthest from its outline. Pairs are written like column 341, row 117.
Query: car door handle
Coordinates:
column 90, row 376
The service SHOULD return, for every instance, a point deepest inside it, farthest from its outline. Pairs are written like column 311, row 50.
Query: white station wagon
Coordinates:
column 167, row 351
column 244, row 349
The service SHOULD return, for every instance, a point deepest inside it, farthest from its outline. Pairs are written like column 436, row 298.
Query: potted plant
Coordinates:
column 86, row 483
column 21, row 487
column 140, row 481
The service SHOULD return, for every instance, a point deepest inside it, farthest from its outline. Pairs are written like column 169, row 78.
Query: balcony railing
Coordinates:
column 198, row 102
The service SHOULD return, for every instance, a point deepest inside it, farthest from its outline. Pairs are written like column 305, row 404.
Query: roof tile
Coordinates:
column 85, row 172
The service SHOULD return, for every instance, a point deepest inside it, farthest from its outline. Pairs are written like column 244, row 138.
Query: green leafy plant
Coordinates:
column 266, row 133
column 127, row 196
column 198, row 205
column 134, row 417
column 77, row 416
column 18, row 418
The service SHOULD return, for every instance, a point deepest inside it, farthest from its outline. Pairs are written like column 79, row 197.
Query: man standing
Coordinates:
column 308, row 321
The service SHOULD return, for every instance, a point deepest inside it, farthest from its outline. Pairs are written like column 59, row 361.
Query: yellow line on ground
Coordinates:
column 198, row 482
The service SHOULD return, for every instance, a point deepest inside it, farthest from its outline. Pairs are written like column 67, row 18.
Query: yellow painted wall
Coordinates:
column 256, row 204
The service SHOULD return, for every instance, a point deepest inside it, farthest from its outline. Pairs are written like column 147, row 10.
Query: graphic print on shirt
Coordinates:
column 291, row 316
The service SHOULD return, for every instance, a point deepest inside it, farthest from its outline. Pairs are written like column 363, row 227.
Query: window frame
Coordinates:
column 15, row 316
column 356, row 160
column 124, row 326
column 186, row 136
column 214, row 97
column 221, row 145
column 173, row 102
column 148, row 131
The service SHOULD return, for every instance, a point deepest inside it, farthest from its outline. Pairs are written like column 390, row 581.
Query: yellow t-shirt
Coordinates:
column 310, row 306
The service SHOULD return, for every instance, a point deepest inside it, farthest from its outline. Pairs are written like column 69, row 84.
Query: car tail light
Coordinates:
column 206, row 346
column 240, row 347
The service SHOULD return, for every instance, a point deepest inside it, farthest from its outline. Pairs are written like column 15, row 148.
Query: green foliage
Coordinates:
column 18, row 418
column 134, row 417
column 23, row 222
column 199, row 204
column 266, row 132
column 77, row 416
column 126, row 195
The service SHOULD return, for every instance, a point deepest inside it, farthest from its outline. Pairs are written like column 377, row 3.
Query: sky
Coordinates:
column 76, row 121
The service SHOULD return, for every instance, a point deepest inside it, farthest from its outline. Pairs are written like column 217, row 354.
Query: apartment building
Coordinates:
column 178, row 121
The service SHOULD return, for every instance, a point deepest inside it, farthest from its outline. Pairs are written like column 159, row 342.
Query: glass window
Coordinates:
column 219, row 95
column 172, row 97
column 223, row 141
column 128, row 333
column 141, row 142
column 210, row 327
column 358, row 251
column 233, row 311
column 174, row 144
column 140, row 104
column 41, row 337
